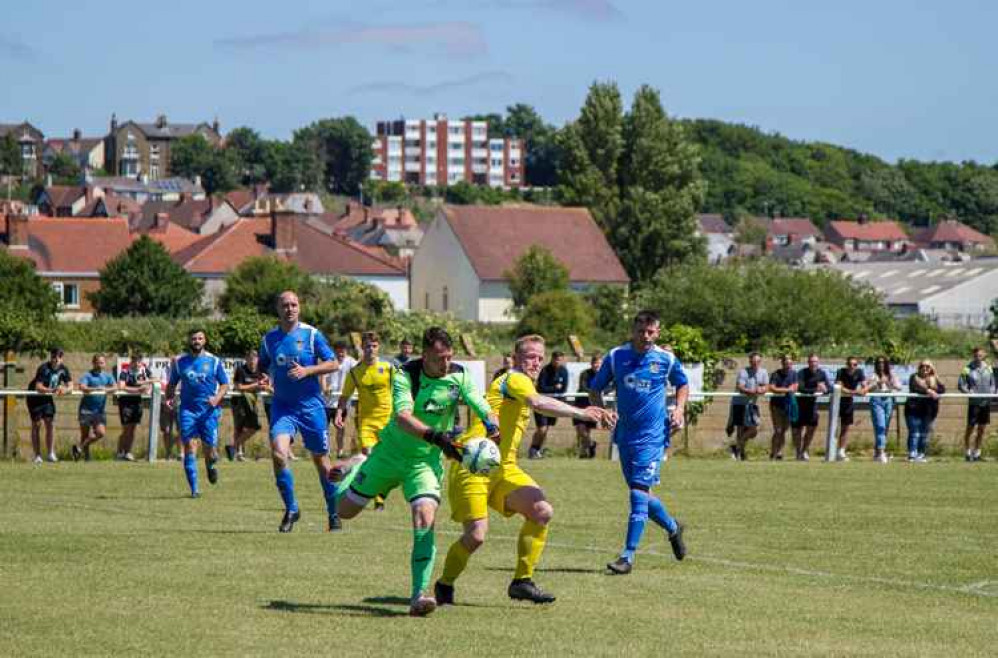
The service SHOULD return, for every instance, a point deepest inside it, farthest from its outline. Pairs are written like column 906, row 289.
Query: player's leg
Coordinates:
column 367, row 438
column 283, row 428
column 315, row 434
column 468, row 497
column 530, row 503
column 36, row 437
column 540, row 435
column 366, row 477
column 189, row 448
column 207, row 428
column 421, row 487
column 50, row 438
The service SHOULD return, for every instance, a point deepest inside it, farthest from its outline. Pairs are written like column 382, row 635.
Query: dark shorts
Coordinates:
column 91, row 418
column 740, row 416
column 778, row 414
column 243, row 415
column 847, row 414
column 978, row 414
column 130, row 413
column 544, row 421
column 41, row 407
column 807, row 412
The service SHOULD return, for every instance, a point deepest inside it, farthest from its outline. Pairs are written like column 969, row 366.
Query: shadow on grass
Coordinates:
column 551, row 570
column 333, row 608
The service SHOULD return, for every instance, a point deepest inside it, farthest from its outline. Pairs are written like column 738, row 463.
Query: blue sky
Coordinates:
column 897, row 79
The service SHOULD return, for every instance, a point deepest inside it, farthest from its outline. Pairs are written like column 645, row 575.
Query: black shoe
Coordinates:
column 212, row 471
column 620, row 567
column 379, row 506
column 676, row 541
column 444, row 594
column 77, row 453
column 230, row 452
column 535, row 453
column 334, row 524
column 526, row 590
column 592, row 450
column 289, row 520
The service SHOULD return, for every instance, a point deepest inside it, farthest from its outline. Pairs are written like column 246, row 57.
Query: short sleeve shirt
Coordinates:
column 749, row 378
column 809, row 380
column 279, row 352
column 132, row 376
column 50, row 377
column 201, row 376
column 91, row 379
column 783, row 378
column 850, row 380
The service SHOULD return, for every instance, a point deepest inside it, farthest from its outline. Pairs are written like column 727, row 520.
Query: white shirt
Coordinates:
column 335, row 380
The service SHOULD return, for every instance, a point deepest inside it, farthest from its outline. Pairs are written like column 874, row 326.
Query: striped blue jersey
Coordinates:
column 640, row 380
column 279, row 351
column 199, row 376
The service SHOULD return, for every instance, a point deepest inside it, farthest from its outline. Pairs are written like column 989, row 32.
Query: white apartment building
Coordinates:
column 442, row 152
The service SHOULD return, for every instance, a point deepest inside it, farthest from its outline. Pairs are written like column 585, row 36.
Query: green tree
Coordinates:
column 540, row 141
column 555, row 315
column 194, row 156
column 291, row 167
column 256, row 283
column 64, row 169
column 248, row 149
column 536, row 271
column 144, row 280
column 23, row 289
column 11, row 163
column 340, row 305
column 343, row 147
column 239, row 332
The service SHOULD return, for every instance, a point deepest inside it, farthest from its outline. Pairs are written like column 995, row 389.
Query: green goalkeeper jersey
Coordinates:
column 434, row 401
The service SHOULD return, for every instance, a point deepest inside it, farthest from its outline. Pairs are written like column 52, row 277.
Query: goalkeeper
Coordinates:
column 425, row 395
column 507, row 489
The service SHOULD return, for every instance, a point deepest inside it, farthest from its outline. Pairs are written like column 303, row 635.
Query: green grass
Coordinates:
column 847, row 559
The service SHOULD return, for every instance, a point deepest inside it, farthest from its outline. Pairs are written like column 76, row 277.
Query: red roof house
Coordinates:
column 864, row 235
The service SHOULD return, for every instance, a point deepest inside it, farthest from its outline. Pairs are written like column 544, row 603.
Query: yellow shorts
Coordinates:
column 470, row 496
column 367, row 434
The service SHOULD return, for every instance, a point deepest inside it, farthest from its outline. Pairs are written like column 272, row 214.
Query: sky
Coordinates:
column 898, row 79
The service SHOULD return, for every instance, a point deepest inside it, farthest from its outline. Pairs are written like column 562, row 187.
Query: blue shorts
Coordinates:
column 309, row 420
column 199, row 425
column 641, row 464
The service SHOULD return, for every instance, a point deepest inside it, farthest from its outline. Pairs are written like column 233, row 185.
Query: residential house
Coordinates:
column 86, row 152
column 263, row 203
column 111, row 205
column 864, row 235
column 69, row 253
column 953, row 235
column 395, row 230
column 719, row 234
column 300, row 239
column 462, row 263
column 64, row 200
column 31, row 142
column 785, row 231
column 143, row 149
column 165, row 189
column 201, row 216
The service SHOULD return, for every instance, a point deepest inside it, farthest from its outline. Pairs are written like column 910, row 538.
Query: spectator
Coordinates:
column 853, row 382
column 583, row 428
column 977, row 377
column 553, row 381
column 920, row 412
column 783, row 404
column 812, row 381
column 507, row 363
column 332, row 388
column 96, row 385
column 753, row 381
column 133, row 382
column 405, row 352
column 51, row 377
column 168, row 419
column 884, row 383
column 245, row 410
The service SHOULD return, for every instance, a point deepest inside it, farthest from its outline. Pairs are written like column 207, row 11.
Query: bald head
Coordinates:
column 288, row 308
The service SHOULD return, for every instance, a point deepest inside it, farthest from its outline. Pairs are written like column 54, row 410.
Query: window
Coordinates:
column 496, row 146
column 446, row 300
column 154, row 151
column 69, row 294
column 154, row 172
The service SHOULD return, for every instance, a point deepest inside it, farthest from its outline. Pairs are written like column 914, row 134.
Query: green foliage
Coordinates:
column 248, row 149
column 379, row 191
column 193, row 155
column 11, row 162
column 64, row 170
column 555, row 315
column 24, row 290
column 612, row 309
column 238, row 332
column 464, row 193
column 340, row 305
column 21, row 332
column 107, row 335
column 342, row 146
column 537, row 271
column 256, row 283
column 291, row 167
column 484, row 337
column 689, row 346
column 144, row 280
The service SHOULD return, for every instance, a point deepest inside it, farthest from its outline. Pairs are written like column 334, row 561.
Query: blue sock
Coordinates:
column 635, row 523
column 191, row 470
column 658, row 514
column 329, row 492
column 286, row 485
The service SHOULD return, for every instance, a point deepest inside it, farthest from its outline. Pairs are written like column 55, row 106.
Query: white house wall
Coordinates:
column 966, row 305
column 438, row 264
column 495, row 302
column 397, row 288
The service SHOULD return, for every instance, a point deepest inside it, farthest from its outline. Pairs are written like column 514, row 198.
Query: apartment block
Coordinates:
column 443, row 152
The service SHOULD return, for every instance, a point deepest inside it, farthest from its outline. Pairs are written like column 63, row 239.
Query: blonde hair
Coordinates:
column 931, row 381
column 523, row 341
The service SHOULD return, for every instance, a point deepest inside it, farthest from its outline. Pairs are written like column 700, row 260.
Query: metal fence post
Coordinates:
column 154, row 402
column 831, row 440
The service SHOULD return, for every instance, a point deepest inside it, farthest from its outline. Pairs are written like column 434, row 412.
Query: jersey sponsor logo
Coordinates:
column 434, row 407
column 635, row 383
column 654, row 368
column 281, row 360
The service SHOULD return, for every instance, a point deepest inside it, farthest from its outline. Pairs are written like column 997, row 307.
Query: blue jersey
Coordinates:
column 199, row 376
column 640, row 380
column 279, row 351
column 95, row 403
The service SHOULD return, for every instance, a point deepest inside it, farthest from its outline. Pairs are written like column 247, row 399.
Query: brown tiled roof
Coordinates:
column 188, row 213
column 240, row 198
column 797, row 226
column 494, row 237
column 175, row 238
column 70, row 244
column 114, row 205
column 952, row 231
column 885, row 230
column 389, row 217
column 710, row 223
column 318, row 251
column 64, row 196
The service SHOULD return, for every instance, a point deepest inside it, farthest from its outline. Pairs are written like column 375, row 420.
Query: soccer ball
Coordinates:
column 481, row 455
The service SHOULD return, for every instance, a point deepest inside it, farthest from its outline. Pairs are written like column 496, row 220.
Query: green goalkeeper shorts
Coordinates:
column 384, row 470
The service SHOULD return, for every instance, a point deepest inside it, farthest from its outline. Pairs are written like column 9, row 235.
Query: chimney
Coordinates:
column 161, row 121
column 114, row 123
column 284, row 230
column 863, row 219
column 216, row 126
column 159, row 220
column 17, row 231
column 77, row 134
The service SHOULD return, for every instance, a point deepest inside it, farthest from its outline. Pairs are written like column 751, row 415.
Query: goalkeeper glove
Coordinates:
column 444, row 441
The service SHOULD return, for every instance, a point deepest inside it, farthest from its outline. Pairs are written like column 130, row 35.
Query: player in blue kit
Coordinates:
column 295, row 356
column 203, row 384
column 641, row 371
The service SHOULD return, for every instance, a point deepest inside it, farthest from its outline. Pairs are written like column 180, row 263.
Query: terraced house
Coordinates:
column 143, row 149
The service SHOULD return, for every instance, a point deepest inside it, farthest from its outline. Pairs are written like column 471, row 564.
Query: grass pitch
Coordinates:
column 785, row 558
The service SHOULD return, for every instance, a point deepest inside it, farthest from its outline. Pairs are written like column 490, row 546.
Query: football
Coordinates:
column 481, row 455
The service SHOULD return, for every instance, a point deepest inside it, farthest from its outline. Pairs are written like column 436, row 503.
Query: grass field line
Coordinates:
column 985, row 588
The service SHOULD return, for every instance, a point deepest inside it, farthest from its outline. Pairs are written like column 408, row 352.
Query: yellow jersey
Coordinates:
column 507, row 396
column 373, row 383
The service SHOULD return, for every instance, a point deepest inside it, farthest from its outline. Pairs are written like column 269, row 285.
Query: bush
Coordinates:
column 612, row 309
column 555, row 315
column 238, row 333
column 255, row 284
column 485, row 338
column 536, row 271
column 341, row 305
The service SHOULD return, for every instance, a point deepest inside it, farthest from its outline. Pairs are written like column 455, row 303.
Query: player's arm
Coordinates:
column 479, row 406
column 548, row 406
column 677, row 377
column 406, row 420
column 171, row 383
column 327, row 362
column 223, row 385
column 599, row 382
